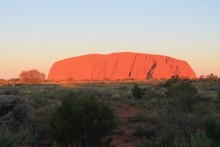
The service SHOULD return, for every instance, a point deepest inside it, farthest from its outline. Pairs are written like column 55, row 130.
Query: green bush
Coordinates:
column 137, row 92
column 182, row 96
column 81, row 120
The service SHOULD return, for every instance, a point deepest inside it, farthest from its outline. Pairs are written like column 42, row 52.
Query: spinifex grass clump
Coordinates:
column 81, row 120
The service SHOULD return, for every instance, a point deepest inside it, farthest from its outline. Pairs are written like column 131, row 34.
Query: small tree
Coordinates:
column 32, row 76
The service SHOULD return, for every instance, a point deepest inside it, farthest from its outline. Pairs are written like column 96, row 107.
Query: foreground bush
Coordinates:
column 81, row 120
column 175, row 120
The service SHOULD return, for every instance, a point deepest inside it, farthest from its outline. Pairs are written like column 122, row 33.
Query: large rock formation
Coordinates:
column 120, row 66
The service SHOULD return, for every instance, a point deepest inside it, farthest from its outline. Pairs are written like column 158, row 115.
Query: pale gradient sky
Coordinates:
column 36, row 33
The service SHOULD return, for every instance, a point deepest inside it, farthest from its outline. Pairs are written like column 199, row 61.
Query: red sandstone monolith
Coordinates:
column 120, row 66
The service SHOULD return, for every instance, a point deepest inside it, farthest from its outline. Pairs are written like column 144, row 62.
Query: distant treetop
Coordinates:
column 32, row 76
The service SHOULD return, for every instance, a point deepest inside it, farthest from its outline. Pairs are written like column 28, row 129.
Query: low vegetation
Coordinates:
column 137, row 92
column 14, row 111
column 81, row 120
column 218, row 94
column 177, row 113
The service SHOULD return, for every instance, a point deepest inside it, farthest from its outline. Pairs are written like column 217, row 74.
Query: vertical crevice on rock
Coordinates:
column 114, row 69
column 131, row 70
column 151, row 71
column 94, row 69
column 104, row 68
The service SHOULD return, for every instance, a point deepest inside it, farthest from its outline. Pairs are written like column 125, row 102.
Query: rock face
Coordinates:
column 119, row 66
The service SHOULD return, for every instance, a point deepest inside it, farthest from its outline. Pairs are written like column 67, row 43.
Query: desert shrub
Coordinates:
column 212, row 128
column 180, row 130
column 174, row 125
column 172, row 81
column 137, row 92
column 13, row 110
column 81, row 120
column 182, row 96
column 200, row 139
column 11, row 138
column 153, row 93
column 196, row 139
column 144, row 131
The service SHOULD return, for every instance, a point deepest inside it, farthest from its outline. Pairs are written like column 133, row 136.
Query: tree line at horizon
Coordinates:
column 34, row 76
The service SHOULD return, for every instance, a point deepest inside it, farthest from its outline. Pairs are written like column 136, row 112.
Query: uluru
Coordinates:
column 120, row 66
